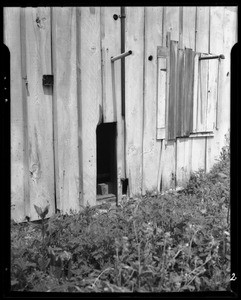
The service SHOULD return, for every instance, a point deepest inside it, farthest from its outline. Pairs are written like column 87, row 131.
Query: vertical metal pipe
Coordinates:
column 122, row 62
column 123, row 81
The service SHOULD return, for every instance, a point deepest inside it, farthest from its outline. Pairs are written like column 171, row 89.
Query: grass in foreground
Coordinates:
column 176, row 242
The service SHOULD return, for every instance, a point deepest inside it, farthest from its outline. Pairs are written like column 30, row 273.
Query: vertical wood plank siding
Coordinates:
column 161, row 96
column 173, row 91
column 189, row 21
column 19, row 172
column 172, row 22
column 53, row 129
column 151, row 146
column 134, row 97
column 89, row 60
column 167, row 166
column 111, row 82
column 66, row 108
column 180, row 94
column 39, row 107
column 188, row 92
column 202, row 30
column 110, row 46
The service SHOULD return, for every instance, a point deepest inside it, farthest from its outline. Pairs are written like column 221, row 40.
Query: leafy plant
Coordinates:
column 174, row 242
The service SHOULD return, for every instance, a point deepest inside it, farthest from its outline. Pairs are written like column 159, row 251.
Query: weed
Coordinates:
column 174, row 242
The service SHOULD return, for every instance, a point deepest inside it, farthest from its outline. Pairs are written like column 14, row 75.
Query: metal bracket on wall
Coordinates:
column 122, row 55
column 48, row 80
column 115, row 16
column 221, row 56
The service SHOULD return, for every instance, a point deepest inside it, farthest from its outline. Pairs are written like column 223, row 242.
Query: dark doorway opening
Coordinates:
column 106, row 161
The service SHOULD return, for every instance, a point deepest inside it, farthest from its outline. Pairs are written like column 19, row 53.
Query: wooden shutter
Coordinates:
column 180, row 95
column 162, row 90
column 212, row 94
column 188, row 91
column 205, row 94
column 173, row 75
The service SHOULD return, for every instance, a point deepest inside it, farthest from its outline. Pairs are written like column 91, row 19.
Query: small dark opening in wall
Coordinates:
column 106, row 159
column 125, row 183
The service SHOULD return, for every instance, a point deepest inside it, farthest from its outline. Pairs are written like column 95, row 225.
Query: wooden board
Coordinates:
column 202, row 29
column 172, row 22
column 216, row 29
column 167, row 165
column 212, row 94
column 223, row 115
column 223, row 92
column 202, row 95
column 134, row 97
column 189, row 21
column 161, row 96
column 152, row 147
column 198, row 153
column 184, row 159
column 65, row 108
column 188, row 91
column 111, row 82
column 110, row 46
column 173, row 75
column 195, row 92
column 180, row 94
column 18, row 172
column 39, row 107
column 89, row 96
column 210, row 153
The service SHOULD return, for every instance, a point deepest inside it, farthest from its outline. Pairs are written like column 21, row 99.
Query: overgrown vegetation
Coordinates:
column 176, row 242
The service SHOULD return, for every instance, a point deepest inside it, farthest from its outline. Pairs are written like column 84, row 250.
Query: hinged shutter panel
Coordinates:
column 188, row 91
column 173, row 75
column 205, row 94
column 195, row 93
column 212, row 94
column 184, row 88
column 202, row 95
column 180, row 95
column 162, row 90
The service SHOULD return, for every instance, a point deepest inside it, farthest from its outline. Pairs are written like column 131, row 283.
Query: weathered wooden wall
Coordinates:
column 53, row 129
